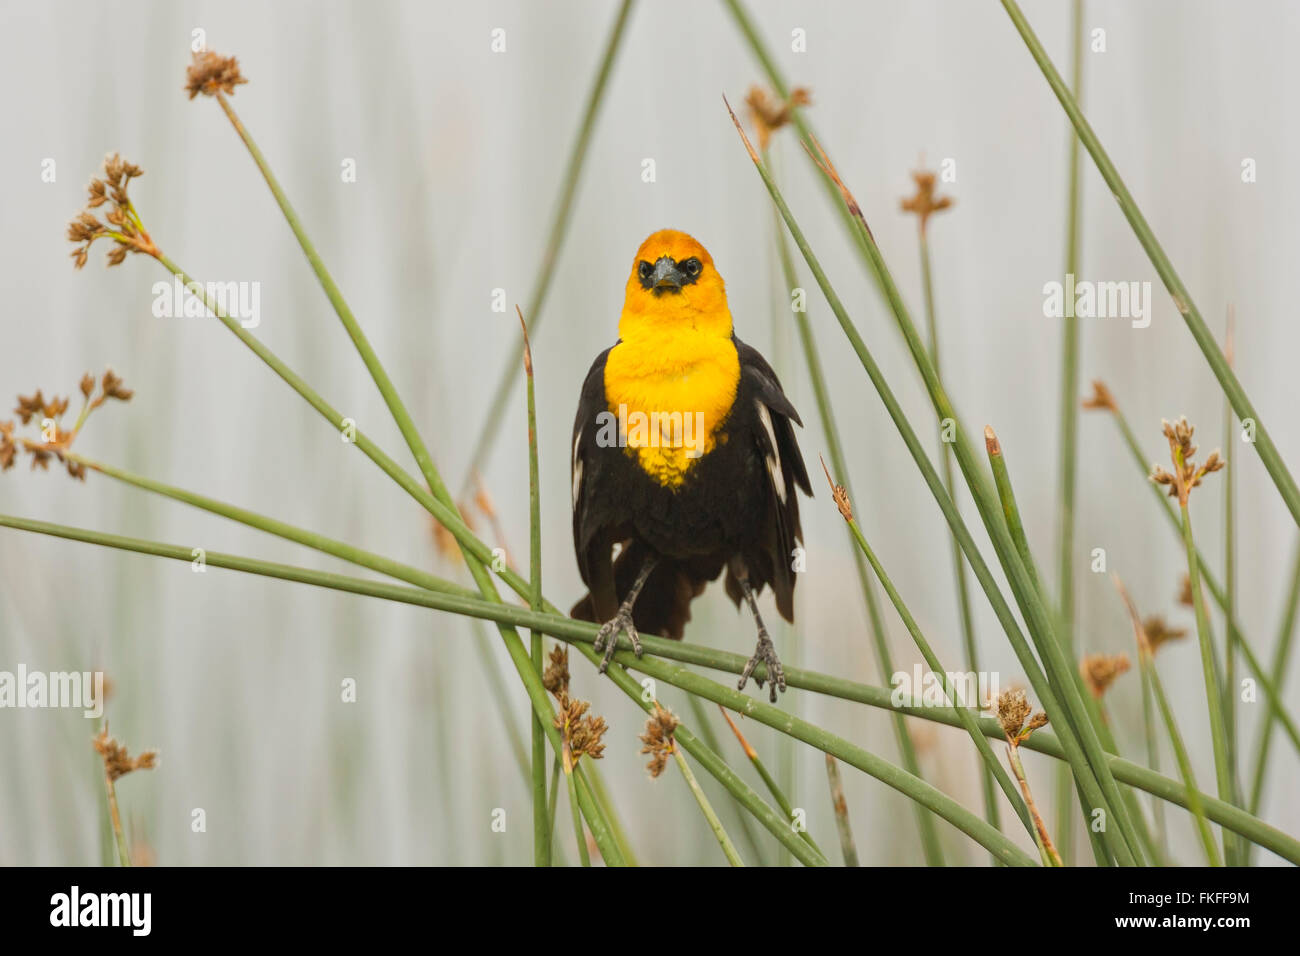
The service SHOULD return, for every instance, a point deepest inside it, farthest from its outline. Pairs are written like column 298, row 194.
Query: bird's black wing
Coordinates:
column 776, row 443
column 585, row 465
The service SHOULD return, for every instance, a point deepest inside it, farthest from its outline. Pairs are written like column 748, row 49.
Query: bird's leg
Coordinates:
column 622, row 621
column 765, row 653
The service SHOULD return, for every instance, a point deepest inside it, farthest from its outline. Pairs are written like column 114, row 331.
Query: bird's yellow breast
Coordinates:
column 670, row 392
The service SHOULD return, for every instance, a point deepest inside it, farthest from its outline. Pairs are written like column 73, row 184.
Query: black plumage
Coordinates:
column 736, row 510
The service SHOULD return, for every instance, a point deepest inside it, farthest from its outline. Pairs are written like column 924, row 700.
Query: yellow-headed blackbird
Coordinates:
column 684, row 458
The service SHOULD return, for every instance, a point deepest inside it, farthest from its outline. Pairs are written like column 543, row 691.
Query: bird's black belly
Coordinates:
column 715, row 512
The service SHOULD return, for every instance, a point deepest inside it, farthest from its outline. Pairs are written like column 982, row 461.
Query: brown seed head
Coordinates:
column 1159, row 633
column 51, row 439
column 839, row 494
column 1186, row 474
column 210, row 73
column 1016, row 716
column 556, row 676
column 120, row 222
column 117, row 761
column 1100, row 670
column 924, row 203
column 1101, row 398
column 769, row 114
column 658, row 739
column 582, row 732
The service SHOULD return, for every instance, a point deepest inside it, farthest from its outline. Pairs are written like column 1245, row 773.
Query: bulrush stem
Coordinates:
column 1281, row 655
column 659, row 663
column 964, row 610
column 1277, row 711
column 774, row 788
column 1184, row 762
column 578, row 835
column 929, row 835
column 724, row 841
column 1069, row 428
column 1041, row 837
column 1209, row 665
column 1146, row 660
column 1077, row 736
column 541, row 831
column 123, row 855
column 841, row 806
column 963, row 709
column 1232, row 389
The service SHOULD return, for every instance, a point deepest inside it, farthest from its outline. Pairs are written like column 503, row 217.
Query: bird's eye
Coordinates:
column 645, row 269
column 692, row 267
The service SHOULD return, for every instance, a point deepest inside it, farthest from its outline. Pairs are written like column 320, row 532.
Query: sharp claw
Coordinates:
column 766, row 654
column 607, row 638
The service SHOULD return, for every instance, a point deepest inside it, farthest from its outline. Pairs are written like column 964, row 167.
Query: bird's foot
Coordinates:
column 607, row 636
column 764, row 654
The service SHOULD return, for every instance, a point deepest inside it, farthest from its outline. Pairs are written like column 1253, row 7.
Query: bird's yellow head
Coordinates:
column 674, row 288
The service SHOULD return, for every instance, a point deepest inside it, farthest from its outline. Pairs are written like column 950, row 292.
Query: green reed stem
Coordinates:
column 724, row 841
column 1281, row 655
column 743, row 820
column 583, row 854
column 968, row 719
column 405, row 424
column 541, row 832
column 441, row 507
column 964, row 610
column 497, row 687
column 424, row 579
column 1209, row 664
column 581, row 634
column 1015, row 525
column 1277, row 710
column 1069, row 430
column 1042, row 840
column 774, row 788
column 1184, row 762
column 1268, row 452
column 1233, row 850
column 1087, row 761
column 555, row 239
column 930, row 844
column 841, row 807
column 1153, row 756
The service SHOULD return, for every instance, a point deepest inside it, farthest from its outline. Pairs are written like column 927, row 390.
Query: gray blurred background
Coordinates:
column 460, row 154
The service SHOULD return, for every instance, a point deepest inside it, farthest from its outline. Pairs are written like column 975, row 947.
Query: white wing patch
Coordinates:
column 576, row 470
column 773, row 456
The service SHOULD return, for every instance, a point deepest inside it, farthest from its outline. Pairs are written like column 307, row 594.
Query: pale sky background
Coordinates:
column 460, row 154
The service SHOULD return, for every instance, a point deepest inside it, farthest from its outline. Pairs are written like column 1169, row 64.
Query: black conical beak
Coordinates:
column 666, row 277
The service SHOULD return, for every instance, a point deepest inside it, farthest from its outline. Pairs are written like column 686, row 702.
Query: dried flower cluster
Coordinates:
column 1100, row 671
column 210, row 74
column 556, row 676
column 1014, row 714
column 582, row 734
column 1186, row 474
column 658, row 739
column 769, row 114
column 120, row 222
column 1158, row 633
column 1101, row 400
column 839, row 494
column 925, row 203
column 47, row 415
column 117, row 761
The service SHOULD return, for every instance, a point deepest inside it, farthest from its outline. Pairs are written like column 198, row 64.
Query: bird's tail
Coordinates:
column 664, row 604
